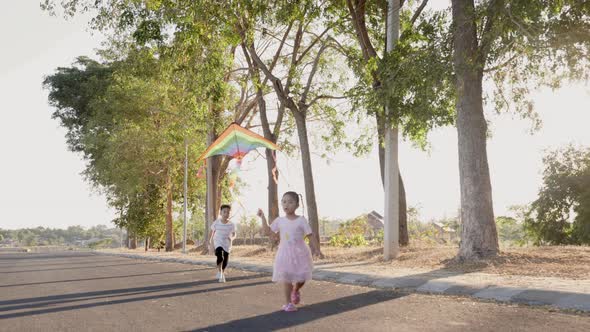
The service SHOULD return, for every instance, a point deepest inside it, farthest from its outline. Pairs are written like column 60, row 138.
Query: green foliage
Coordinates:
column 416, row 77
column 197, row 225
column 104, row 243
column 379, row 237
column 351, row 233
column 532, row 43
column 414, row 80
column 561, row 213
column 511, row 231
column 73, row 235
column 343, row 241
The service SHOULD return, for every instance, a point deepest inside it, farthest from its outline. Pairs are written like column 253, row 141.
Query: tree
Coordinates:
column 397, row 79
column 561, row 213
column 517, row 42
column 129, row 132
column 300, row 92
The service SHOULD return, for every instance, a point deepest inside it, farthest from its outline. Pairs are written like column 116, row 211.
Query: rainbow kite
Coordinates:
column 236, row 142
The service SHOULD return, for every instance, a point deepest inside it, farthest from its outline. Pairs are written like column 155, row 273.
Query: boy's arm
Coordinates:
column 233, row 235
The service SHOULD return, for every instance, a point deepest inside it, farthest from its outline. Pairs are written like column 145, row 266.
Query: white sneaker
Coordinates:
column 218, row 275
column 222, row 278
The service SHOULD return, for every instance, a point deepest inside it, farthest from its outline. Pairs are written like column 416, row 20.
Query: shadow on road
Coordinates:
column 280, row 320
column 32, row 303
column 103, row 278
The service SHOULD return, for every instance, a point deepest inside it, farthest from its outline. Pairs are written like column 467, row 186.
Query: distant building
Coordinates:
column 375, row 222
column 444, row 232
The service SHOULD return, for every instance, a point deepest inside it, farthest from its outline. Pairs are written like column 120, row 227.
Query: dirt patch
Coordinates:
column 568, row 262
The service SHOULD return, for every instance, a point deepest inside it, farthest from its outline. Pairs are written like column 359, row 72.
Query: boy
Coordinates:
column 223, row 231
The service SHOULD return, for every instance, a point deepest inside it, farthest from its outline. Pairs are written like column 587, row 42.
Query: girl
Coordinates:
column 293, row 262
column 223, row 232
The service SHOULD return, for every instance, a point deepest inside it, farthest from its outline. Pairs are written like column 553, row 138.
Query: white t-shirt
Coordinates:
column 222, row 234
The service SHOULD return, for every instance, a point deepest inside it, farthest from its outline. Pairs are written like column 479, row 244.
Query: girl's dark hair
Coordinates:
column 224, row 206
column 293, row 194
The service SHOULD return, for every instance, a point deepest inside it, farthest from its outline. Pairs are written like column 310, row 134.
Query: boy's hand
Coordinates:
column 260, row 213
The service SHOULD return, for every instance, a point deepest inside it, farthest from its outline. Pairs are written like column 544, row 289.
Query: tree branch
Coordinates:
column 312, row 73
column 325, row 97
column 486, row 35
column 313, row 43
column 358, row 21
column 417, row 13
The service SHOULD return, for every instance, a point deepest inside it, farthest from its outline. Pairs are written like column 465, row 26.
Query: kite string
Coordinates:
column 274, row 170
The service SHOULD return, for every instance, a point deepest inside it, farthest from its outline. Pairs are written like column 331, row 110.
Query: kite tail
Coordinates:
column 274, row 169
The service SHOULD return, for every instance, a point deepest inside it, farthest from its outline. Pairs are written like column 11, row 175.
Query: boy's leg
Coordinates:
column 225, row 259
column 219, row 254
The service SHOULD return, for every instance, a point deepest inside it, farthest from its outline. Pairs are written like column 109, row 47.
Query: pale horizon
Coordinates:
column 42, row 185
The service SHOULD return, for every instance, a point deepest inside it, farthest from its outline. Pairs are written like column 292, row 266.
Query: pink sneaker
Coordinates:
column 295, row 297
column 289, row 307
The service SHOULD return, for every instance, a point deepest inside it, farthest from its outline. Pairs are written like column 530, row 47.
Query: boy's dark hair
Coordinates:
column 225, row 206
column 294, row 195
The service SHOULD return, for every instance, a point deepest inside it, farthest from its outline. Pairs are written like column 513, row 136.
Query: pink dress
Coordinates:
column 293, row 261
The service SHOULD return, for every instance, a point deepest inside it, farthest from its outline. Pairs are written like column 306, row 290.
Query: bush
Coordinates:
column 343, row 241
column 561, row 213
column 104, row 243
column 510, row 231
column 351, row 233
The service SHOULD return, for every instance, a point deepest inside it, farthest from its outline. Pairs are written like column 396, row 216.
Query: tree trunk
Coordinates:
column 273, row 190
column 169, row 241
column 404, row 238
column 211, row 202
column 310, row 199
column 478, row 235
column 147, row 244
column 128, row 239
column 132, row 241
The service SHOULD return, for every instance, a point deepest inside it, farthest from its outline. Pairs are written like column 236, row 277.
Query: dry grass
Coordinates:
column 551, row 261
column 568, row 262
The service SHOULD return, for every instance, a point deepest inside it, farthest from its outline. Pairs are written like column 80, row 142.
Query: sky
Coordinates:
column 41, row 184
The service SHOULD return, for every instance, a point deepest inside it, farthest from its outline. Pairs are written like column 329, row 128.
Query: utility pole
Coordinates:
column 391, row 215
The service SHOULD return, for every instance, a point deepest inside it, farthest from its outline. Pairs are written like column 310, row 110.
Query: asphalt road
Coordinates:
column 77, row 291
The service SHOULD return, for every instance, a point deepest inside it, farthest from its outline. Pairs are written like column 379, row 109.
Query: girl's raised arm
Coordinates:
column 265, row 227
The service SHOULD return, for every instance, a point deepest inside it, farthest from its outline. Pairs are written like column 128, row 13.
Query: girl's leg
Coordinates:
column 288, row 289
column 295, row 295
column 225, row 260
column 219, row 254
column 298, row 286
